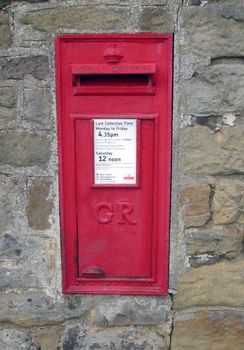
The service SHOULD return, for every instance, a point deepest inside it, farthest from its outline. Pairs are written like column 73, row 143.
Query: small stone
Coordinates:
column 37, row 105
column 48, row 337
column 4, row 3
column 228, row 203
column 217, row 284
column 17, row 68
column 8, row 194
column 9, row 248
column 156, row 19
column 39, row 207
column 140, row 338
column 215, row 89
column 24, row 150
column 206, row 152
column 8, row 102
column 215, row 30
column 154, row 2
column 216, row 245
column 128, row 312
column 6, row 34
column 204, row 259
column 13, row 339
column 195, row 205
column 81, row 18
column 211, row 329
column 8, row 96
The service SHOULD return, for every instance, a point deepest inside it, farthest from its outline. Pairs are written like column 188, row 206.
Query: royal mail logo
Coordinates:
column 129, row 177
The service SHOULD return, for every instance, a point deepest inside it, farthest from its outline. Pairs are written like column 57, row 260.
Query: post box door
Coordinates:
column 114, row 109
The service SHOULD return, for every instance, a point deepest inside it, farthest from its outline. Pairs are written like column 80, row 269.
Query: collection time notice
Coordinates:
column 115, row 151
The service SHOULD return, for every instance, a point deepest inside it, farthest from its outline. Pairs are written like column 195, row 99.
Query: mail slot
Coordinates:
column 114, row 140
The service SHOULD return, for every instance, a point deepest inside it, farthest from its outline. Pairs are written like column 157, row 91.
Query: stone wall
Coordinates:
column 205, row 306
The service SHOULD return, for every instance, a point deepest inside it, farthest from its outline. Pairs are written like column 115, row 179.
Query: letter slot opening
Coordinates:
column 114, row 80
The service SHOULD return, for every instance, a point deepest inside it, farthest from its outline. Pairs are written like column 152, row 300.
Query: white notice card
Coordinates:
column 115, row 151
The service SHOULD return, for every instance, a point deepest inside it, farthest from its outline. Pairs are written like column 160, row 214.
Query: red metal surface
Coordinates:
column 114, row 237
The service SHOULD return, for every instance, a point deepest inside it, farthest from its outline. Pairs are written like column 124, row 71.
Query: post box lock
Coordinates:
column 114, row 132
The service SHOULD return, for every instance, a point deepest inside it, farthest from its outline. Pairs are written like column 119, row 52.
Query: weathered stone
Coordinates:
column 203, row 259
column 154, row 2
column 17, row 68
column 205, row 152
column 8, row 96
column 136, row 338
column 80, row 18
column 215, row 89
column 17, row 277
column 213, row 246
column 23, row 150
column 128, row 312
column 12, row 339
column 205, row 330
column 37, row 105
column 6, row 34
column 48, row 338
column 4, row 3
column 195, row 205
column 218, row 284
column 8, row 200
column 9, row 248
column 35, row 308
column 8, row 102
column 228, row 203
column 39, row 207
column 155, row 19
column 215, row 30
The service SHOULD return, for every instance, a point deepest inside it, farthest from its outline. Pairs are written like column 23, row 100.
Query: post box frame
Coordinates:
column 158, row 284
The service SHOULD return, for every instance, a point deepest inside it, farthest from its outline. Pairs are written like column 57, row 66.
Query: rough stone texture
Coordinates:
column 218, row 284
column 155, row 20
column 39, row 207
column 195, row 205
column 154, row 2
column 208, row 122
column 215, row 30
column 134, row 338
column 48, row 338
column 8, row 102
column 17, row 68
column 206, row 247
column 125, row 312
column 81, row 18
column 6, row 34
column 215, row 89
column 209, row 330
column 4, row 3
column 24, row 150
column 12, row 339
column 10, row 248
column 206, row 152
column 228, row 203
column 37, row 105
column 7, row 203
column 35, row 308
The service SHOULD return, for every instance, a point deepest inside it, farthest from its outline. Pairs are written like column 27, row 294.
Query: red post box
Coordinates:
column 114, row 128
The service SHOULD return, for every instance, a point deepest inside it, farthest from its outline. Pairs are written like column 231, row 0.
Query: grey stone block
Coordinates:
column 13, row 339
column 83, row 18
column 17, row 68
column 24, row 150
column 5, row 30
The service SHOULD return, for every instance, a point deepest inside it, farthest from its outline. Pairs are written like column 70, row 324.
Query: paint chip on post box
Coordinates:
column 115, row 151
